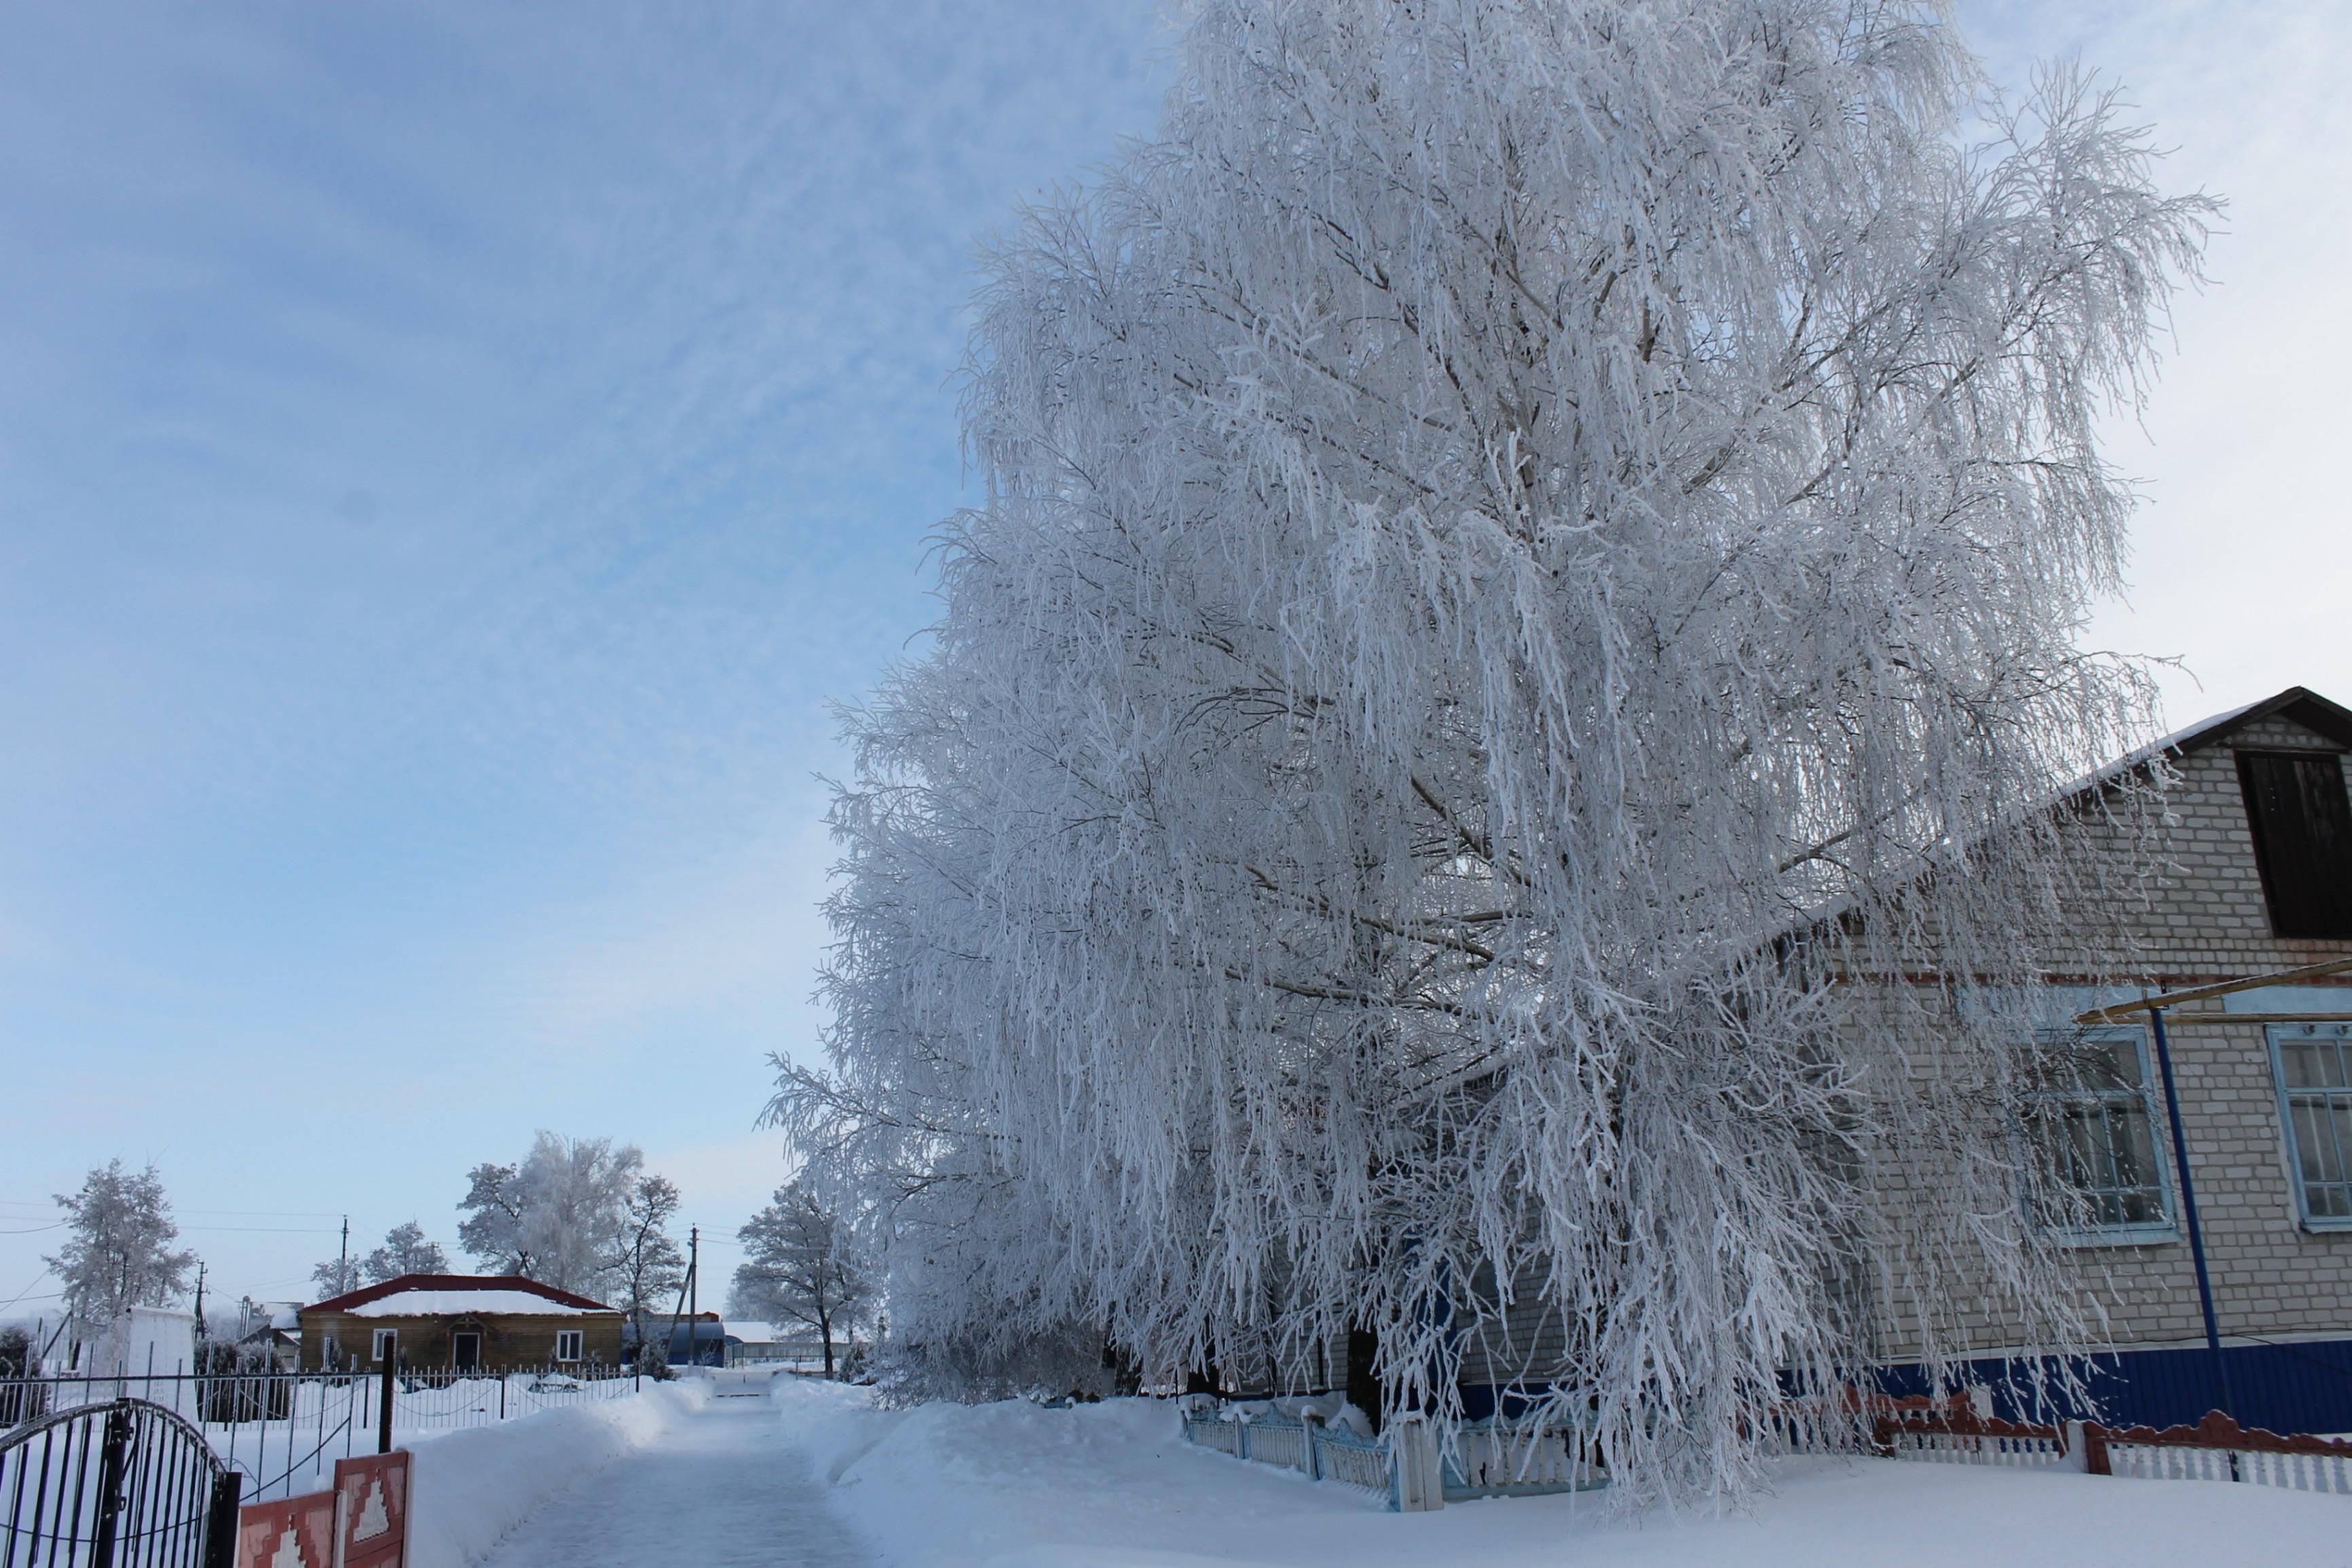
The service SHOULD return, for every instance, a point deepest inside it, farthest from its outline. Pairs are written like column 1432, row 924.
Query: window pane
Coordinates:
column 2315, row 1139
column 2312, row 1062
column 2100, row 1146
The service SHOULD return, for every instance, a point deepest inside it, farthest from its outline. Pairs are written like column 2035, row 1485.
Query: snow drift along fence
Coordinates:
column 1492, row 1459
column 1308, row 1445
column 2216, row 1449
column 1406, row 1466
column 1960, row 1437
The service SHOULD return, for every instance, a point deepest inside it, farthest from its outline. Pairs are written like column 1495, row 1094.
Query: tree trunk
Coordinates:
column 825, row 1331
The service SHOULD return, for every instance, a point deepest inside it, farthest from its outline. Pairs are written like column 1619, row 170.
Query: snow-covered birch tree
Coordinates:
column 1527, row 546
column 558, row 1217
column 119, row 1251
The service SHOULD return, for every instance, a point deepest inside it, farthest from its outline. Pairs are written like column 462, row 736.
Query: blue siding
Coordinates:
column 2282, row 1388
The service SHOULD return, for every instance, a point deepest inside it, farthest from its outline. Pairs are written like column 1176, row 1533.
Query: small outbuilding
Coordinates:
column 460, row 1323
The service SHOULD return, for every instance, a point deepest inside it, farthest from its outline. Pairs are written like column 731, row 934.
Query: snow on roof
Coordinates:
column 410, row 1288
column 472, row 1304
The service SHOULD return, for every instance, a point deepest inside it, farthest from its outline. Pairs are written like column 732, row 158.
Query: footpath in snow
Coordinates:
column 723, row 1485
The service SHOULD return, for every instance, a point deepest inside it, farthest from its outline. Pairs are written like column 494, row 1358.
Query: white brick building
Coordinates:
column 2258, row 879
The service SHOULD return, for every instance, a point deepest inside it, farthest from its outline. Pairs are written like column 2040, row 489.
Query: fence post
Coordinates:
column 2078, row 1447
column 383, row 1406
column 220, row 1523
column 113, row 1466
column 1313, row 1424
column 1412, row 1449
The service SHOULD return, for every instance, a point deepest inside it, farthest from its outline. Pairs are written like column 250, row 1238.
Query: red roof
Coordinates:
column 395, row 1285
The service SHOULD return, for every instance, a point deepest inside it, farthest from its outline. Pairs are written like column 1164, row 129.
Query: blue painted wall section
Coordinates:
column 2285, row 1388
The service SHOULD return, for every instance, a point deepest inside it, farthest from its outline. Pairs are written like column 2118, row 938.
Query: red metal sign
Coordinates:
column 297, row 1534
column 374, row 1511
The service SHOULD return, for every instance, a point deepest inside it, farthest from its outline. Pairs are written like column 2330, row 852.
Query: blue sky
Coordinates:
column 450, row 454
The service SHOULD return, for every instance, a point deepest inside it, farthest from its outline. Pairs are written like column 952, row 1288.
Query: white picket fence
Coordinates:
column 2215, row 1449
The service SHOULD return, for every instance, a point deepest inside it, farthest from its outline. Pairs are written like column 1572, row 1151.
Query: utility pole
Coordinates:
column 343, row 1259
column 200, row 1301
column 693, row 1296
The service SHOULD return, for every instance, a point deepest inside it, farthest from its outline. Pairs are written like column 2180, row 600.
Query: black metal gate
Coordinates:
column 127, row 1484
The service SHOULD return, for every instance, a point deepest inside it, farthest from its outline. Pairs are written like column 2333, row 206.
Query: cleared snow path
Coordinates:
column 724, row 1486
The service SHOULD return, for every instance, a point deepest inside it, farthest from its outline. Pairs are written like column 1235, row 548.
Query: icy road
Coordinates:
column 723, row 1486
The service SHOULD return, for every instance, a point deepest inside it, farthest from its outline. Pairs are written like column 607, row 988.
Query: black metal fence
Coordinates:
column 285, row 1430
column 126, row 1483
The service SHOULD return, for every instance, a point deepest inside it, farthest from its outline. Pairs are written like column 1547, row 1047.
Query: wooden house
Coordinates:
column 460, row 1323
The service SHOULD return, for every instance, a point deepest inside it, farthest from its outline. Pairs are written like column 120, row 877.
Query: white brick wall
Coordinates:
column 2208, row 924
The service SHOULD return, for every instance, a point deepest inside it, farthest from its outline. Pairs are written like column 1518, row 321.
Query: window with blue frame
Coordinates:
column 2314, row 1064
column 2091, row 1122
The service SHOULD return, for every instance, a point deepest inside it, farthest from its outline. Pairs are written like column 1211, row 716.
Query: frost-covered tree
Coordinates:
column 800, row 1266
column 336, row 1276
column 119, row 1249
column 492, row 1230
column 646, row 1265
column 558, row 1217
column 1527, row 546
column 405, row 1250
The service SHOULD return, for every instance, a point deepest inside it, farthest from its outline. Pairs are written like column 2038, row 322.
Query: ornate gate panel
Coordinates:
column 124, row 1484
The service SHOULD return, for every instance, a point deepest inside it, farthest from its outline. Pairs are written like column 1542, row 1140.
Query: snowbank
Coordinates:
column 473, row 1487
column 1115, row 1486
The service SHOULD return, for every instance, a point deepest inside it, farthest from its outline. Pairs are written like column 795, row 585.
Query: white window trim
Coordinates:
column 2155, row 1233
column 2324, row 1224
column 574, row 1337
column 378, row 1343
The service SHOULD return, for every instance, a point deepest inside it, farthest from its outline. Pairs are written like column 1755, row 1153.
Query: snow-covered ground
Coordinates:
column 1115, row 1486
column 720, row 1487
column 812, row 1474
column 473, row 1488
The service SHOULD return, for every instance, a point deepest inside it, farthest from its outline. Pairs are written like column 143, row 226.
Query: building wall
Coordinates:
column 516, row 1340
column 2271, row 1277
column 2205, row 921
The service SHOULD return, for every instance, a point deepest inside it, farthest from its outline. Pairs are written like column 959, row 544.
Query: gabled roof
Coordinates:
column 454, row 1284
column 2298, row 704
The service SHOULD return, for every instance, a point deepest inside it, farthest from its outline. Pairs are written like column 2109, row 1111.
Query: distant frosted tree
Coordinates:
column 492, row 1230
column 799, row 1266
column 119, row 1249
column 1525, row 545
column 646, row 1265
column 405, row 1250
column 558, row 1217
column 335, row 1276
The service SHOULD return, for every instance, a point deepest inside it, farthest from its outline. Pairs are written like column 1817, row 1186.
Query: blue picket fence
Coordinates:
column 1483, row 1459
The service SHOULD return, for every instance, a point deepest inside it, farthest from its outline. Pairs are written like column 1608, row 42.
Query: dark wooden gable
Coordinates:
column 2302, row 825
